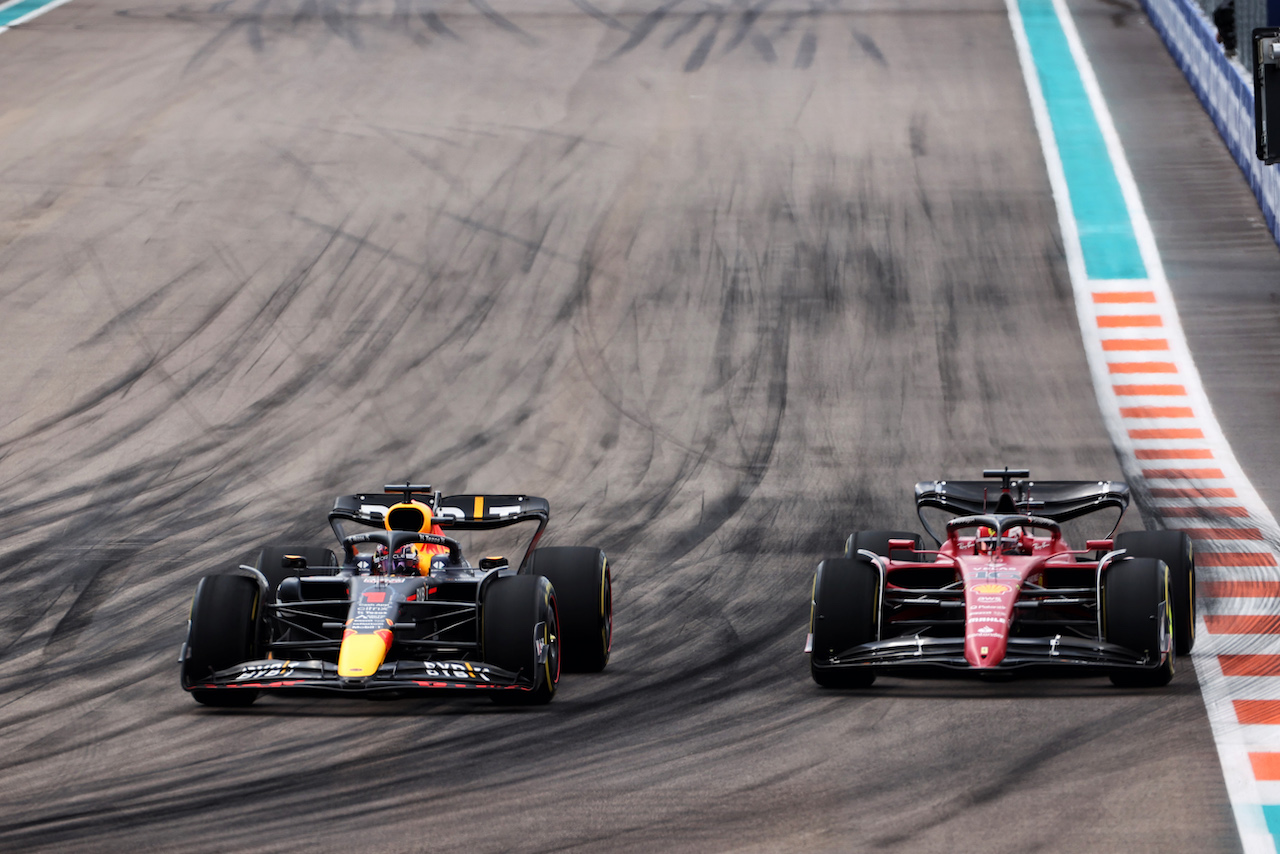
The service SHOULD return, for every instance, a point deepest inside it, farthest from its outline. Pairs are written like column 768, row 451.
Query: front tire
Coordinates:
column 1138, row 615
column 584, row 596
column 1177, row 550
column 521, row 633
column 224, row 631
column 844, row 614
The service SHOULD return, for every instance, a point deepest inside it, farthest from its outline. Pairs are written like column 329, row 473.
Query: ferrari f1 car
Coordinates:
column 403, row 611
column 1004, row 591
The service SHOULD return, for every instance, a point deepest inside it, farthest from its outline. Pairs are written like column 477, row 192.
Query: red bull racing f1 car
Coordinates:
column 403, row 611
column 1004, row 591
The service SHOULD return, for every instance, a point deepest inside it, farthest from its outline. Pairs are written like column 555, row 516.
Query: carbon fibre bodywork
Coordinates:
column 354, row 629
column 432, row 640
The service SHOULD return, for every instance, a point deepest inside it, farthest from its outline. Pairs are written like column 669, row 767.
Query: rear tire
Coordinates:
column 519, row 616
column 1177, row 550
column 845, row 611
column 1138, row 615
column 225, row 623
column 269, row 559
column 584, row 596
column 877, row 542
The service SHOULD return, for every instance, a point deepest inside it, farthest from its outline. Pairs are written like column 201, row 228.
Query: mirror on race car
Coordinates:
column 901, row 545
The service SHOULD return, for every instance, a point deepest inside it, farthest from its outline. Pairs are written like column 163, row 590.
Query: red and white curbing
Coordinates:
column 1172, row 446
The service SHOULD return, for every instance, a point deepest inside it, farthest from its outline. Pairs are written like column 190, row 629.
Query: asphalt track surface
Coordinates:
column 719, row 281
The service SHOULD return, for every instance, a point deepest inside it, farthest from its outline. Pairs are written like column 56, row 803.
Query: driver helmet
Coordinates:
column 1010, row 542
column 403, row 562
column 985, row 541
column 1017, row 541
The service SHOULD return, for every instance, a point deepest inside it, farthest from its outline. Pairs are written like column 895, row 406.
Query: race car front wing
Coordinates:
column 1059, row 651
column 395, row 677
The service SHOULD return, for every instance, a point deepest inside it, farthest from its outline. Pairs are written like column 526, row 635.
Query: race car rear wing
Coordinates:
column 483, row 512
column 1059, row 500
column 461, row 512
column 451, row 512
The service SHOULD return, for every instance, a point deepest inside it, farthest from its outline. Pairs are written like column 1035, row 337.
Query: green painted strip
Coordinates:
column 1106, row 232
column 1271, row 813
column 21, row 9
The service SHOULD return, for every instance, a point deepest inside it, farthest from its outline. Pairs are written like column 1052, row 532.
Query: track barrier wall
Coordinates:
column 1223, row 87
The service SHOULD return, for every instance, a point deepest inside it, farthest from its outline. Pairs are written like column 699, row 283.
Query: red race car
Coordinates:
column 1004, row 590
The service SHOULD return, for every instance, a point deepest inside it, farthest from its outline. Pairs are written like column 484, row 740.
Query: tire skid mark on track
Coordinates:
column 1052, row 749
column 502, row 22
column 646, row 26
column 600, row 15
column 263, row 25
column 762, row 373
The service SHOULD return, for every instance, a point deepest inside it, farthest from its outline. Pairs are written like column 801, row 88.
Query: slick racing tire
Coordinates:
column 1176, row 549
column 521, row 633
column 1137, row 614
column 224, row 632
column 877, row 542
column 269, row 563
column 584, row 595
column 844, row 614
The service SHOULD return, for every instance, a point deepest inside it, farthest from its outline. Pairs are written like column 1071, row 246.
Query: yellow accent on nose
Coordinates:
column 362, row 655
column 479, row 514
